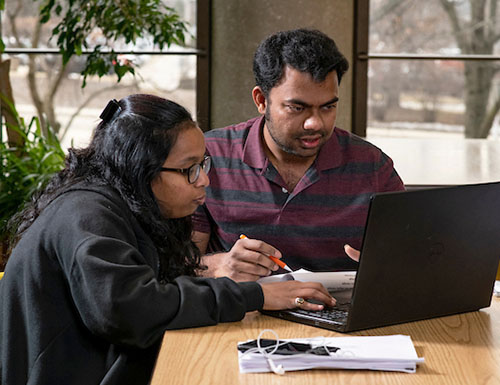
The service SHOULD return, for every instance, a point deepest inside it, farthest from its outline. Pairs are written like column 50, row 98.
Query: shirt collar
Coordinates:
column 253, row 152
column 330, row 154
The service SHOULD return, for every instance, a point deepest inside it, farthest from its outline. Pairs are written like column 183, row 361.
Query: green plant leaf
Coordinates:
column 26, row 168
column 125, row 19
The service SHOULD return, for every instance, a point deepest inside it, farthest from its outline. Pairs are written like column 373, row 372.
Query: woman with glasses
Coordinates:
column 102, row 260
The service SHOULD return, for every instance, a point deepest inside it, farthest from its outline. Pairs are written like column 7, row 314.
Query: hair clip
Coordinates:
column 111, row 111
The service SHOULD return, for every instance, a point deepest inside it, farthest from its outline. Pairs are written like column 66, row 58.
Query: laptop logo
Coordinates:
column 436, row 251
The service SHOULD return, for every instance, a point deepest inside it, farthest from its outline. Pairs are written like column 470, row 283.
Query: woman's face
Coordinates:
column 177, row 197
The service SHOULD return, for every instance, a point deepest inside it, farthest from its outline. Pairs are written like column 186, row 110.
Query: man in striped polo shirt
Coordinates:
column 297, row 186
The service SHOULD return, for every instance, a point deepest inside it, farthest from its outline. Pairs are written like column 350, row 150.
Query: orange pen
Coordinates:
column 278, row 261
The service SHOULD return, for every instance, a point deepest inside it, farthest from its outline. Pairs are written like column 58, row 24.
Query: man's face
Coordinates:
column 300, row 113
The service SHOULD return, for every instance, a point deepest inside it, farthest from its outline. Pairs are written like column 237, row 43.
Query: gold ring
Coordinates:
column 299, row 301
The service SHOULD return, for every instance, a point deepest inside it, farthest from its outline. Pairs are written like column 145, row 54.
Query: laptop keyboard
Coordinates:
column 329, row 315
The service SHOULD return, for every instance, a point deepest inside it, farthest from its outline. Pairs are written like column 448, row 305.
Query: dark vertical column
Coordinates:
column 360, row 67
column 203, row 44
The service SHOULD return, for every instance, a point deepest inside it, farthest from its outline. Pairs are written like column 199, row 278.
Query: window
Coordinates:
column 432, row 68
column 427, row 86
column 38, row 83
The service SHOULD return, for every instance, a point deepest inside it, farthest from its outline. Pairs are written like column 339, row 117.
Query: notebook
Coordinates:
column 425, row 253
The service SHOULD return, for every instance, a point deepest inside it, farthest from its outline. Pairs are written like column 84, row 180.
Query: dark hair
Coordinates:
column 305, row 50
column 127, row 150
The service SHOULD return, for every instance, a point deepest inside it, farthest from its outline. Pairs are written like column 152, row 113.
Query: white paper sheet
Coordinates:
column 333, row 281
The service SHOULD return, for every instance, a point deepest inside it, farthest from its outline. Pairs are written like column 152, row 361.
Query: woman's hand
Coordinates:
column 283, row 295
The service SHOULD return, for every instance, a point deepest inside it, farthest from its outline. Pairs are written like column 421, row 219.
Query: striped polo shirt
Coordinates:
column 309, row 225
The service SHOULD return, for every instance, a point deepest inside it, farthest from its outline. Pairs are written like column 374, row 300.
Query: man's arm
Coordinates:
column 201, row 240
column 388, row 178
column 248, row 259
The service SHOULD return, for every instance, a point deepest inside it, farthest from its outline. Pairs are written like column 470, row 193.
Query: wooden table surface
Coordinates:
column 459, row 349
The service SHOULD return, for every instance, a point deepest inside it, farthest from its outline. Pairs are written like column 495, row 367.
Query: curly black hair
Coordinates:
column 127, row 151
column 305, row 50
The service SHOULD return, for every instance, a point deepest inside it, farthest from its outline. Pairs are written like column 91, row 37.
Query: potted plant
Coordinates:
column 25, row 168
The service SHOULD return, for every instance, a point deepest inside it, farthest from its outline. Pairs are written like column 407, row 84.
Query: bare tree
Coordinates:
column 465, row 26
column 477, row 35
column 42, row 100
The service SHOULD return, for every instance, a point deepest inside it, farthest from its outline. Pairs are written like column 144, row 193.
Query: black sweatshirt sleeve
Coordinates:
column 111, row 270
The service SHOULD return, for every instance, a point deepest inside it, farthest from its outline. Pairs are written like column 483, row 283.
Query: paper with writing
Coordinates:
column 332, row 281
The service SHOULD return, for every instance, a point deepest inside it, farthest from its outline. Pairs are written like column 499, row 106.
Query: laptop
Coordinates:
column 425, row 253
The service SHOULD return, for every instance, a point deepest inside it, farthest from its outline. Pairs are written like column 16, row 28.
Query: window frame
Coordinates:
column 362, row 56
column 202, row 53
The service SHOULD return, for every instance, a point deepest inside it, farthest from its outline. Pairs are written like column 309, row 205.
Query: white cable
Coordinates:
column 276, row 369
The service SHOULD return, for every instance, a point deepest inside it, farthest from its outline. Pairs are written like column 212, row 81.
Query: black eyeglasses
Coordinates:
column 193, row 172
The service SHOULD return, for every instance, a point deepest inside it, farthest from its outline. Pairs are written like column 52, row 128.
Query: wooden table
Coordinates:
column 459, row 349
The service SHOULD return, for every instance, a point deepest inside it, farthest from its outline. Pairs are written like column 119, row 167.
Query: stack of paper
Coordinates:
column 332, row 281
column 392, row 353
